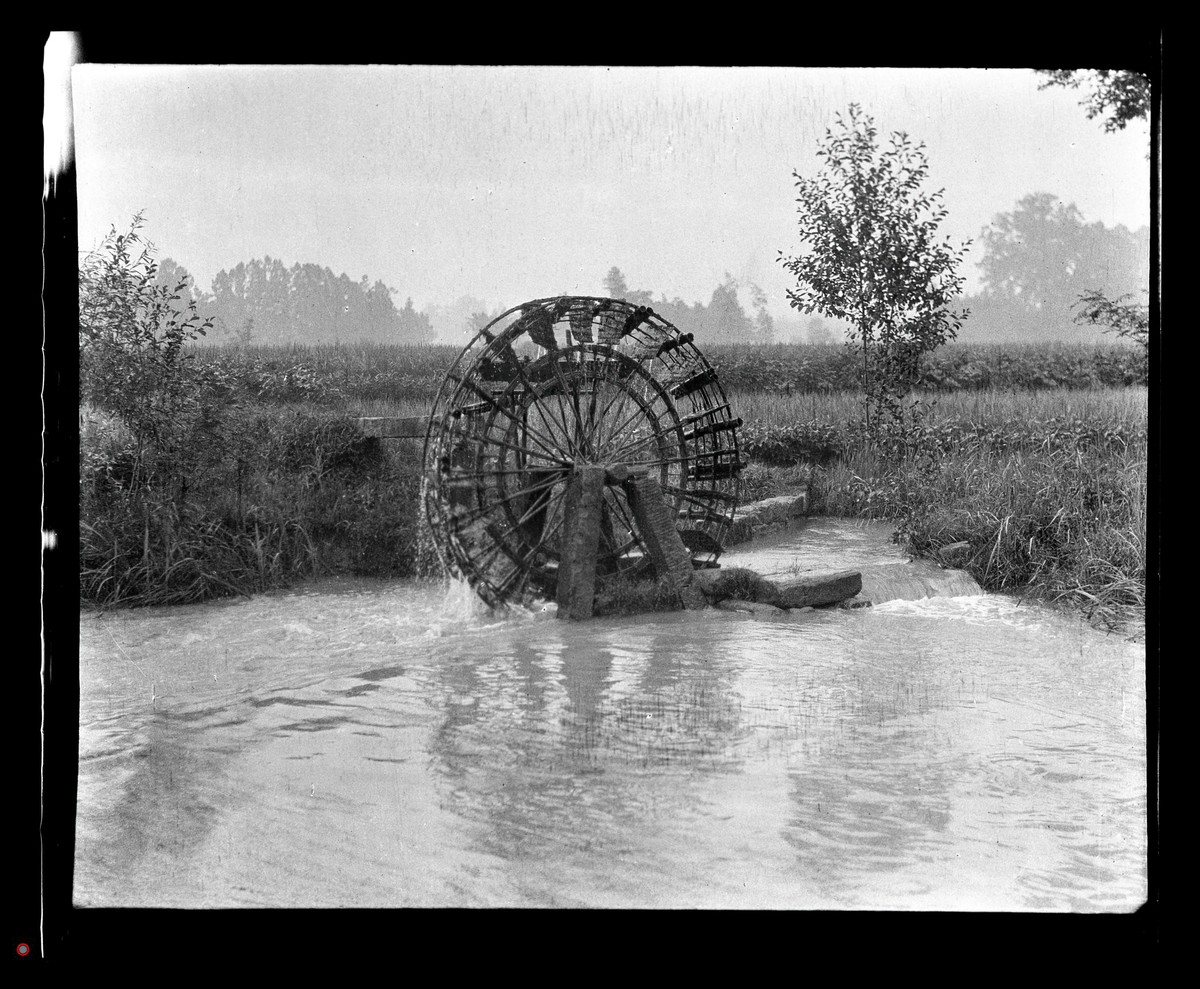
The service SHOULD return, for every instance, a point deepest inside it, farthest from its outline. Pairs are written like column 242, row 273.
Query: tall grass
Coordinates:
column 1127, row 406
column 1047, row 489
column 249, row 500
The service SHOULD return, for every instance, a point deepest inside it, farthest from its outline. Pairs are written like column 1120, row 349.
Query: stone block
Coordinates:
column 801, row 505
column 811, row 591
column 913, row 581
column 770, row 511
column 817, row 590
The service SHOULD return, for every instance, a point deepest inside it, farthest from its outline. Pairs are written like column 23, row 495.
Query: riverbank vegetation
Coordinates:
column 210, row 471
column 1048, row 489
column 265, row 480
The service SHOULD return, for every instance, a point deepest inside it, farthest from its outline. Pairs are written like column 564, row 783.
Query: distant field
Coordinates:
column 367, row 375
column 955, row 367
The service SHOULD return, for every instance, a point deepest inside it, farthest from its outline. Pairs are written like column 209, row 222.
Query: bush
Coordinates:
column 132, row 333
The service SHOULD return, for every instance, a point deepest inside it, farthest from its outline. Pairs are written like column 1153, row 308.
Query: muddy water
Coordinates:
column 366, row 744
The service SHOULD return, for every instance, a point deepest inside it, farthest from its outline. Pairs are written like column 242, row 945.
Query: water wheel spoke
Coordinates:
column 619, row 427
column 567, row 431
column 521, row 569
column 517, row 448
column 575, row 434
column 548, row 446
column 560, row 469
column 615, row 501
column 560, row 443
column 622, row 394
column 501, row 544
column 467, row 518
column 620, row 454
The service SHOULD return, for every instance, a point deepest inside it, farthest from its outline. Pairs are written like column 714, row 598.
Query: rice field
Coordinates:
column 375, row 372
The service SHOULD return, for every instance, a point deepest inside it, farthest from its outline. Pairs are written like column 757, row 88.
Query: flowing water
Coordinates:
column 367, row 744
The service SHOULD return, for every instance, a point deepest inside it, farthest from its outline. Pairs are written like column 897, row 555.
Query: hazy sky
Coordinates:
column 516, row 183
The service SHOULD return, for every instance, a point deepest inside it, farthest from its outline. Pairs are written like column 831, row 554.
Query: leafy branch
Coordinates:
column 1123, row 315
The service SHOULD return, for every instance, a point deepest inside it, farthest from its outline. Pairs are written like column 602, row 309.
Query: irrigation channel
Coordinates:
column 365, row 744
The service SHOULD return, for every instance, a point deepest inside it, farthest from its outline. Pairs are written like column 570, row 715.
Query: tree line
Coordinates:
column 1039, row 259
column 263, row 302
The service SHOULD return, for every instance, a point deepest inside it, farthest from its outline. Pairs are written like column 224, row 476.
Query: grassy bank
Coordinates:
column 1048, row 490
column 265, row 481
column 246, row 500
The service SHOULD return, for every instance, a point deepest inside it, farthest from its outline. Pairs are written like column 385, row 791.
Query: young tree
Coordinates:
column 1124, row 315
column 176, row 277
column 873, row 256
column 477, row 321
column 412, row 327
column 244, row 336
column 132, row 332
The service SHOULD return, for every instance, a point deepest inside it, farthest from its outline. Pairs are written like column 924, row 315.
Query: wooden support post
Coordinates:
column 581, row 543
column 656, row 523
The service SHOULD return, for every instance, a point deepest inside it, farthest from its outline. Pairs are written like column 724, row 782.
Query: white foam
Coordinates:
column 976, row 608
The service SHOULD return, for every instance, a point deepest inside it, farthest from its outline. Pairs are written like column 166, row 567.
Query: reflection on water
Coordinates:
column 358, row 744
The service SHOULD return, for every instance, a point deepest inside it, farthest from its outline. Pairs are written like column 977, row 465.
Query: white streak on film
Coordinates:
column 58, row 57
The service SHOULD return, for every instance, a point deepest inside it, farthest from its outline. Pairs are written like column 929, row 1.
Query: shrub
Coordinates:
column 132, row 333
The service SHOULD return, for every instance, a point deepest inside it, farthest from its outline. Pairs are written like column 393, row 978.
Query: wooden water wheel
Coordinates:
column 562, row 383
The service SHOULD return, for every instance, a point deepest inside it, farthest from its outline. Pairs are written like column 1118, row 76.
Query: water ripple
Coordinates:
column 952, row 753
